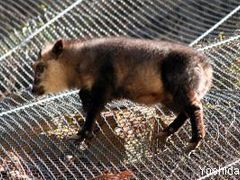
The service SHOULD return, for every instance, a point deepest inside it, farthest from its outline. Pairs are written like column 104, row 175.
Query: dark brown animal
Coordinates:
column 144, row 71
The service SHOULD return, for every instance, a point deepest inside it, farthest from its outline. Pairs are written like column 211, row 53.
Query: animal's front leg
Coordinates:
column 86, row 98
column 98, row 97
column 85, row 131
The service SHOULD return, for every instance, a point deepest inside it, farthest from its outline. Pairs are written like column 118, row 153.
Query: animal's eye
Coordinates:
column 40, row 68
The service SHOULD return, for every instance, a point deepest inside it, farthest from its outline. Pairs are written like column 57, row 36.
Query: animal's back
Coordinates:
column 149, row 71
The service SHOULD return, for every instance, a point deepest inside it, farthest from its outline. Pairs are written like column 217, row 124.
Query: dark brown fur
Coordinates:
column 143, row 71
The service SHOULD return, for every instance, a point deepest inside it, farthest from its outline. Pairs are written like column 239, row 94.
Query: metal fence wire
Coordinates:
column 34, row 130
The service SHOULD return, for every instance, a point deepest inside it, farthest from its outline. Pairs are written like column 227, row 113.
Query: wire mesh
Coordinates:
column 35, row 130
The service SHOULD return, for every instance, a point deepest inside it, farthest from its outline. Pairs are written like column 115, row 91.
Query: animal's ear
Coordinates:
column 58, row 47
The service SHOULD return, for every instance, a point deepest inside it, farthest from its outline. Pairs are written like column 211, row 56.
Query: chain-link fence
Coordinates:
column 34, row 130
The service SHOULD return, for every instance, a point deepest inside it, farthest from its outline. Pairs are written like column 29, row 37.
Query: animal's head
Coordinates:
column 51, row 72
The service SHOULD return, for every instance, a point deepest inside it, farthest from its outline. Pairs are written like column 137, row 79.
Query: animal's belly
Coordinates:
column 146, row 99
column 152, row 98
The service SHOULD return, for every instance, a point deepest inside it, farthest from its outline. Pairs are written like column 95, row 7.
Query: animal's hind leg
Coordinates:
column 195, row 111
column 173, row 127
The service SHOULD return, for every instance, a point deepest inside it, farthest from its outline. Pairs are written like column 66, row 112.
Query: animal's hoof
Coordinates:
column 76, row 139
column 191, row 147
column 158, row 141
column 88, row 135
column 163, row 137
column 81, row 135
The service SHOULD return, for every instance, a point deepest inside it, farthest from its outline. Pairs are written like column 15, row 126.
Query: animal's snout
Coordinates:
column 38, row 90
column 36, row 81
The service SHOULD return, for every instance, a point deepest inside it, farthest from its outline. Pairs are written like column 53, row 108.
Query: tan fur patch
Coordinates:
column 87, row 81
column 55, row 77
column 146, row 85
